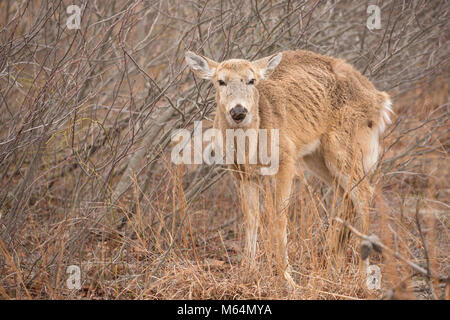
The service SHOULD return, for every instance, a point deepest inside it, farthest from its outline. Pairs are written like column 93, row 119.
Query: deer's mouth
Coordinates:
column 238, row 113
column 239, row 118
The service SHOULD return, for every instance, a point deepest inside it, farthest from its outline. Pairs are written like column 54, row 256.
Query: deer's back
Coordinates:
column 308, row 93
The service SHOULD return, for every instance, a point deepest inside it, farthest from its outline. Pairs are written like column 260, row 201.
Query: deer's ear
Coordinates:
column 203, row 67
column 268, row 64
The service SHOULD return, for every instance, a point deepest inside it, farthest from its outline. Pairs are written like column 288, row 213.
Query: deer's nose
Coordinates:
column 238, row 113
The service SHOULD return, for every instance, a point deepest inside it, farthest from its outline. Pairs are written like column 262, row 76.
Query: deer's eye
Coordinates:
column 222, row 83
column 252, row 81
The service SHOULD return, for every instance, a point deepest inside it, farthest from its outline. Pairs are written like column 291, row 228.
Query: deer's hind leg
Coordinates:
column 345, row 159
column 315, row 163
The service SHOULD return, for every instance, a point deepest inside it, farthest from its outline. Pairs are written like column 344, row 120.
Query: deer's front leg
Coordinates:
column 283, row 183
column 283, row 191
column 250, row 207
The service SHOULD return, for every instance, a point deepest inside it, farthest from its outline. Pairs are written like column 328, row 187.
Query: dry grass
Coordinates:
column 85, row 145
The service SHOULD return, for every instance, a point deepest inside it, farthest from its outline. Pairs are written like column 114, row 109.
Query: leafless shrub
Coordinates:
column 86, row 119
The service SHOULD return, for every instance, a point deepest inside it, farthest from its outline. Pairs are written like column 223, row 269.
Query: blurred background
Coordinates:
column 89, row 98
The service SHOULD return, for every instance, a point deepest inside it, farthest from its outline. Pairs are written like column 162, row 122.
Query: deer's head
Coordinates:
column 236, row 83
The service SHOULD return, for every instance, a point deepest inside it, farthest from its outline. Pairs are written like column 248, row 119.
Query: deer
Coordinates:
column 329, row 117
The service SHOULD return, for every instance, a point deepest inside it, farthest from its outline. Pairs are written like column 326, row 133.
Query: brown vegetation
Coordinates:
column 85, row 173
